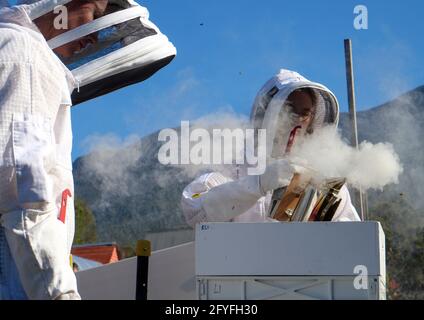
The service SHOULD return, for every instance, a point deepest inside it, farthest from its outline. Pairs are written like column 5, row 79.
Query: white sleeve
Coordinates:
column 191, row 200
column 346, row 211
column 216, row 198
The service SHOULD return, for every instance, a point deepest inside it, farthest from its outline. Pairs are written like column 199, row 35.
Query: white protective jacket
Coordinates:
column 217, row 198
column 36, row 184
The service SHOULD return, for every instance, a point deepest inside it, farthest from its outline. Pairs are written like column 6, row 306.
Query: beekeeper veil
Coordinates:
column 117, row 48
column 272, row 110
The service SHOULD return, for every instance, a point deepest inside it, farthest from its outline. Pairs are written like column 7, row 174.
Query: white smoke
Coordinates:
column 372, row 166
column 116, row 162
column 112, row 160
column 211, row 152
column 220, row 120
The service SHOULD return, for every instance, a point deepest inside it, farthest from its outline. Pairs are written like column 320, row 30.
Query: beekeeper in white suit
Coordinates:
column 36, row 183
column 287, row 101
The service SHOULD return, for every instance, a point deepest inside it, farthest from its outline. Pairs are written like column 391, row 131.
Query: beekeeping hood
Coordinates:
column 270, row 110
column 129, row 48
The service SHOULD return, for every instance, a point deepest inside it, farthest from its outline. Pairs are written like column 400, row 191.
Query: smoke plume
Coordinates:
column 372, row 166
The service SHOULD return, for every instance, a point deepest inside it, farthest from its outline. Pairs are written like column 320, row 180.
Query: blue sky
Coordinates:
column 228, row 49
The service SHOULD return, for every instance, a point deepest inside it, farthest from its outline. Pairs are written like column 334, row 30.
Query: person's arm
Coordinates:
column 215, row 198
column 221, row 202
column 193, row 197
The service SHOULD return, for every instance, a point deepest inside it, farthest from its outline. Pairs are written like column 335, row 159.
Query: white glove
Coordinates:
column 278, row 174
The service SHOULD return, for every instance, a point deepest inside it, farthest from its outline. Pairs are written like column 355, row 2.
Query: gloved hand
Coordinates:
column 278, row 174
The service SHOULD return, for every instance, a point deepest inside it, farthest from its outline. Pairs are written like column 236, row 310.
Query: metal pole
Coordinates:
column 143, row 253
column 359, row 195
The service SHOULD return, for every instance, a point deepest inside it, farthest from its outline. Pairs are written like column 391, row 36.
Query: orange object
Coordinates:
column 103, row 253
column 65, row 194
column 291, row 139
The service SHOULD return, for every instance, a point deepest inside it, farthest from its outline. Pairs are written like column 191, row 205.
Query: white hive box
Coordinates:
column 290, row 261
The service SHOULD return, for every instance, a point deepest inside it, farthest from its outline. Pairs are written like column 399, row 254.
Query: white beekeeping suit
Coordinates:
column 35, row 166
column 36, row 183
column 216, row 198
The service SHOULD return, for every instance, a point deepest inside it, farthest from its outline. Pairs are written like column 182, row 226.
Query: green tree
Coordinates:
column 403, row 227
column 85, row 223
